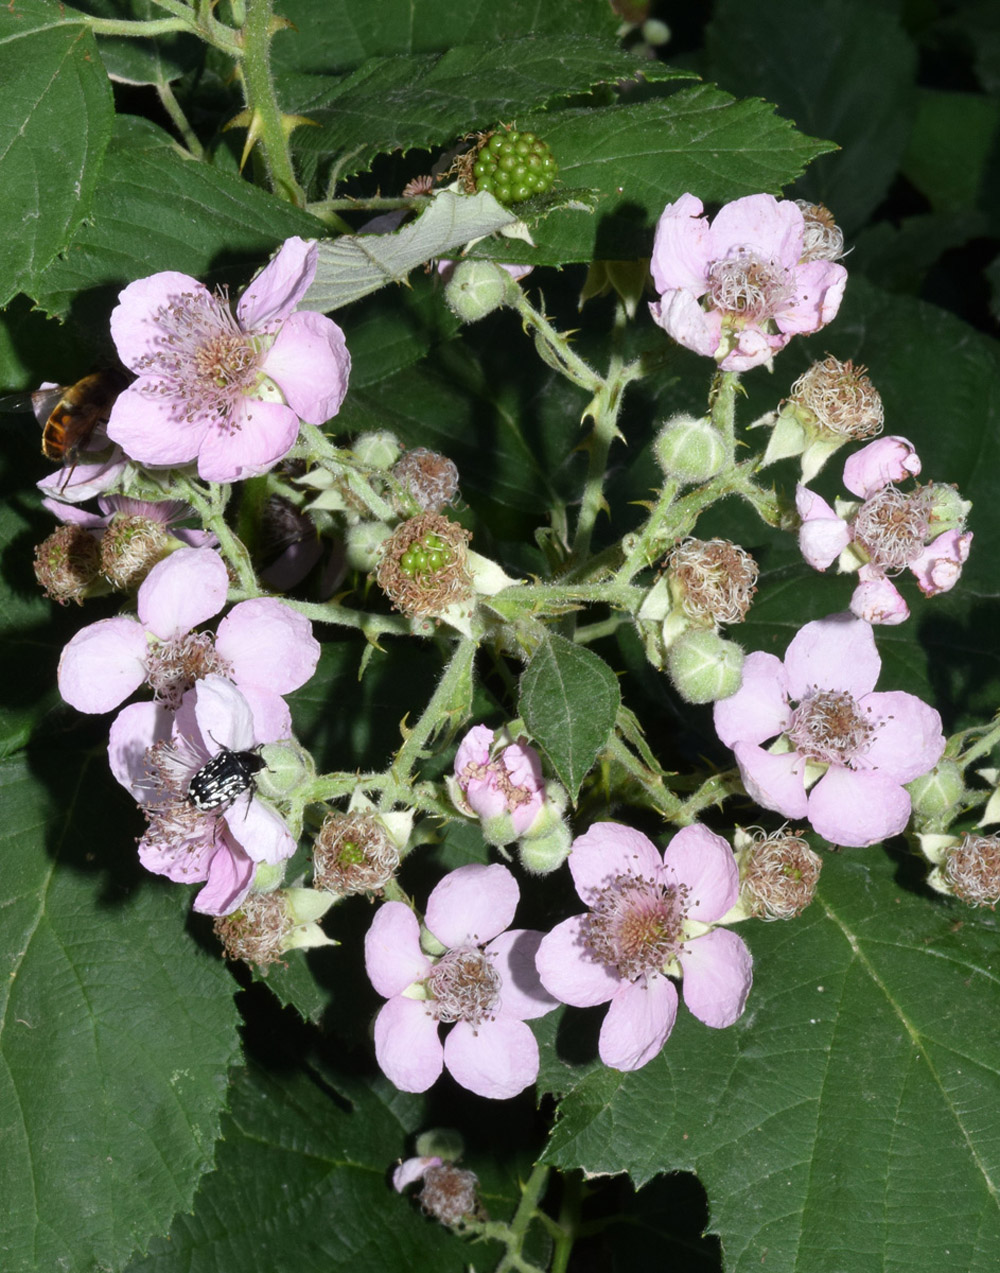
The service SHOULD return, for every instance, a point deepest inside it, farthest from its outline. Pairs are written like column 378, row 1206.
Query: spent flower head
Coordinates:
column 226, row 390
column 650, row 918
column 778, row 873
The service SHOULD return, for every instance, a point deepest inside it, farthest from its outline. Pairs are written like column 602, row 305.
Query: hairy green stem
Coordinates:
column 180, row 121
column 440, row 707
column 513, row 1234
column 201, row 23
column 211, row 506
column 265, row 114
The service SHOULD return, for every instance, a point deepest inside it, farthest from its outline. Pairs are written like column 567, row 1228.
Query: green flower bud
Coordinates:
column 547, row 845
column 477, row 288
column 704, row 667
column 440, row 1142
column 362, row 544
column 379, row 449
column 287, row 767
column 689, row 450
column 948, row 510
column 936, row 793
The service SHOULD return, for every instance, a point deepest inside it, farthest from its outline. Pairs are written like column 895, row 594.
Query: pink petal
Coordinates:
column 608, row 850
column 272, row 720
column 134, row 730
column 703, row 862
column 407, row 1046
column 823, row 535
column 103, row 664
column 148, row 425
column 497, row 1059
column 908, row 741
column 472, row 905
column 819, row 289
column 185, row 861
column 759, row 709
column 771, row 229
column 70, row 514
column 776, row 782
column 310, row 364
column 264, row 434
column 135, row 326
column 718, row 974
column 222, row 713
column 393, row 958
column 891, row 459
column 280, row 286
column 259, row 831
column 638, row 1023
column 485, row 798
column 939, row 566
column 682, row 318
column 267, row 643
column 754, row 348
column 182, row 591
column 230, row 875
column 413, row 1169
column 681, row 247
column 474, row 749
column 877, row 600
column 835, row 653
column 522, row 996
column 857, row 809
column 85, row 481
column 567, row 969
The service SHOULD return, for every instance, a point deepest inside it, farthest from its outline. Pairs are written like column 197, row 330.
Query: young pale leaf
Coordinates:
column 116, row 1034
column 569, row 700
column 357, row 264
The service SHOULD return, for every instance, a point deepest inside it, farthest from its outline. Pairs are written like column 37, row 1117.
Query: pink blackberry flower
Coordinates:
column 841, row 752
column 155, row 755
column 482, row 978
column 650, row 919
column 502, row 786
column 737, row 289
column 886, row 530
column 226, row 391
column 263, row 646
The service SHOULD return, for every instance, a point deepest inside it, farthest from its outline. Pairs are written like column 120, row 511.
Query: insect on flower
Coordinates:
column 223, row 779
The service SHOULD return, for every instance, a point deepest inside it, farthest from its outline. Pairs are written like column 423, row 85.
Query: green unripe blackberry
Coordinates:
column 513, row 166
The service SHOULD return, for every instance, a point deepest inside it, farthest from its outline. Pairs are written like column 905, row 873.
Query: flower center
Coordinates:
column 203, row 360
column 829, row 727
column 172, row 667
column 747, row 287
column 636, row 925
column 496, row 773
column 465, row 986
column 892, row 527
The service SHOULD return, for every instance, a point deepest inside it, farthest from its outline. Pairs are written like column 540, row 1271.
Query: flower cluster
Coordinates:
column 886, row 530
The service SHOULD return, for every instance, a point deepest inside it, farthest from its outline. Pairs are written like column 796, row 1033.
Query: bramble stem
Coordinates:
column 266, row 119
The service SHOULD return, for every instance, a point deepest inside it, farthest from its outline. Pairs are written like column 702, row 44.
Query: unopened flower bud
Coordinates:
column 823, row 239
column 68, row 564
column 689, row 450
column 449, row 1195
column 363, row 544
column 948, row 511
column 423, row 567
column 500, row 784
column 778, row 874
column 477, row 288
column 444, row 1142
column 936, row 793
column 269, row 924
column 353, row 853
column 704, row 667
column 287, row 765
column 968, row 870
column 547, row 846
column 430, row 479
column 379, row 449
column 713, row 581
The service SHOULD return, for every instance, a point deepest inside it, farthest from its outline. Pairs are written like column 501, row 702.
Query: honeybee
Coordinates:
column 69, row 414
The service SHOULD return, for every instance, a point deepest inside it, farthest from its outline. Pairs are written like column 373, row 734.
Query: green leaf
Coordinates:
column 156, row 210
column 341, row 34
column 116, row 1030
column 639, row 157
column 569, row 699
column 357, row 264
column 843, row 68
column 431, row 100
column 859, row 1094
column 303, row 1186
column 55, row 123
column 951, row 147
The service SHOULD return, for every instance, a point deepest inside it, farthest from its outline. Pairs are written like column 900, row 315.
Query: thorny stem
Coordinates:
column 211, row 505
column 512, row 1235
column 449, row 694
column 262, row 103
column 987, row 741
column 200, row 23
